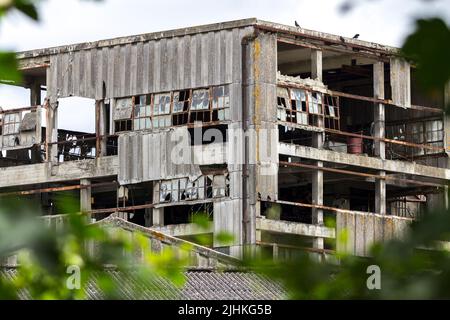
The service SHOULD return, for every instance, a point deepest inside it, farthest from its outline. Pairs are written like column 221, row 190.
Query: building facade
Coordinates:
column 269, row 130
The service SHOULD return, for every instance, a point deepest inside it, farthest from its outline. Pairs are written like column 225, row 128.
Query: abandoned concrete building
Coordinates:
column 284, row 129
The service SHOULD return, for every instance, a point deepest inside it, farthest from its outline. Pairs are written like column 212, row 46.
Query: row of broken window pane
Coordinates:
column 205, row 187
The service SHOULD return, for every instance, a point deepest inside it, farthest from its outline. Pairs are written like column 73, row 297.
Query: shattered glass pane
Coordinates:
column 200, row 99
column 221, row 98
column 179, row 100
column 331, row 111
column 298, row 95
column 161, row 104
column 164, row 192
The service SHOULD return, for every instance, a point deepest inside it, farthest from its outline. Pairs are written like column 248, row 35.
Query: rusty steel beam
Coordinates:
column 391, row 141
column 122, row 209
column 30, row 108
column 360, row 174
column 82, row 139
column 311, row 206
column 57, row 189
column 357, row 135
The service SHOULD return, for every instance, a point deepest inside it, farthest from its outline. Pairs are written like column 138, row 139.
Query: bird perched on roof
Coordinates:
column 356, row 36
column 296, row 24
column 342, row 38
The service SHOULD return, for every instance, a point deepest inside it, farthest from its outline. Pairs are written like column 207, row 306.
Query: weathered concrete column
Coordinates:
column 158, row 216
column 157, row 213
column 35, row 100
column 317, row 142
column 378, row 114
column 52, row 131
column 378, row 132
column 317, row 199
column 85, row 197
column 316, row 65
column 35, row 94
column 101, row 123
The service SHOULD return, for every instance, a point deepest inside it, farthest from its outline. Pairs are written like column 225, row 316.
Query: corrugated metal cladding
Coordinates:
column 166, row 64
column 228, row 218
column 363, row 229
column 148, row 156
column 145, row 156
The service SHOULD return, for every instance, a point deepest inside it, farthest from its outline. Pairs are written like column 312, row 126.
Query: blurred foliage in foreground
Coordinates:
column 410, row 268
column 46, row 253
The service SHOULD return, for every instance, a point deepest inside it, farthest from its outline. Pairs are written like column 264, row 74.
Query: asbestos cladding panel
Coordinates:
column 228, row 219
column 145, row 156
column 401, row 82
column 267, row 149
column 357, row 231
column 190, row 61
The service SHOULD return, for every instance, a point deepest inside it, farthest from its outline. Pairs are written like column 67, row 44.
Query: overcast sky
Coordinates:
column 73, row 21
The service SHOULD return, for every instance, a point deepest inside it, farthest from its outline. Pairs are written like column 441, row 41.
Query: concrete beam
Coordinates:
column 364, row 162
column 184, row 229
column 85, row 196
column 66, row 171
column 302, row 229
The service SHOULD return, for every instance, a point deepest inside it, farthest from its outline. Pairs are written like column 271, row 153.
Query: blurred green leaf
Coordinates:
column 27, row 7
column 201, row 220
column 429, row 47
column 224, row 238
column 9, row 68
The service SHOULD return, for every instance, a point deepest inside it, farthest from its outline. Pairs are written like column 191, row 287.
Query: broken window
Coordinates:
column 205, row 187
column 122, row 125
column 331, row 105
column 11, row 125
column 200, row 99
column 283, row 104
column 315, row 103
column 180, row 107
column 200, row 106
column 161, row 110
column 165, row 191
column 221, row 103
column 219, row 186
column 298, row 103
column 292, row 106
column 142, row 112
column 122, row 115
